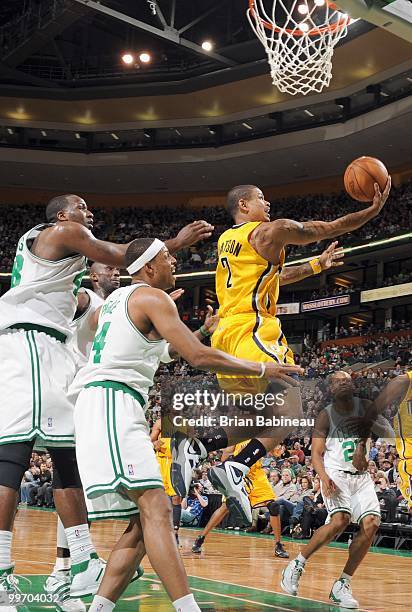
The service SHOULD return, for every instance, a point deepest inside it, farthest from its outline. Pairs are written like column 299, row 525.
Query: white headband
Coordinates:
column 152, row 251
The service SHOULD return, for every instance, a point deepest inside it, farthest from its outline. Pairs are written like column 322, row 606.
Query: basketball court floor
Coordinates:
column 236, row 571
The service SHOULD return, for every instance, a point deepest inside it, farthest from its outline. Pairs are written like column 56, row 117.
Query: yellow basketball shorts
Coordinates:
column 405, row 473
column 259, row 491
column 254, row 338
column 165, row 463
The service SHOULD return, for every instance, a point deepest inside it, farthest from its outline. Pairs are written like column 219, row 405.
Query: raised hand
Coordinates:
column 211, row 320
column 379, row 198
column 332, row 256
column 193, row 233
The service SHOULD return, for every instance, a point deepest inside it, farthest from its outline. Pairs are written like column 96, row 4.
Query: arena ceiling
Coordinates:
column 65, row 93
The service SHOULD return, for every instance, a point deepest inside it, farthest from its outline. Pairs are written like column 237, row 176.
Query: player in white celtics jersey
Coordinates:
column 135, row 325
column 349, row 495
column 104, row 280
column 38, row 367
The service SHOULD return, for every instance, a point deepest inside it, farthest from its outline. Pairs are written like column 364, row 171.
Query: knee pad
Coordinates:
column 65, row 471
column 14, row 461
column 273, row 508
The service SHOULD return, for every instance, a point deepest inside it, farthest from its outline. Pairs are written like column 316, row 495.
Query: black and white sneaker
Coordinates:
column 228, row 479
column 280, row 551
column 197, row 544
column 186, row 454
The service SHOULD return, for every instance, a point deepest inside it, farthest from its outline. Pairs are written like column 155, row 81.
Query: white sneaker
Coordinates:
column 86, row 577
column 58, row 584
column 9, row 588
column 186, row 454
column 228, row 479
column 341, row 594
column 291, row 576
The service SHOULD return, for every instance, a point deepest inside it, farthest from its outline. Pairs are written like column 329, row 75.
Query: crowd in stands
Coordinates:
column 322, row 361
column 125, row 224
column 36, row 487
column 361, row 329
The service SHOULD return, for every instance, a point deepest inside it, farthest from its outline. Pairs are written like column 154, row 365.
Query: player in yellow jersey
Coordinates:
column 164, row 458
column 399, row 391
column 249, row 273
column 260, row 495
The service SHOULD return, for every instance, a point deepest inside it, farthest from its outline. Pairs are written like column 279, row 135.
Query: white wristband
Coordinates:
column 262, row 370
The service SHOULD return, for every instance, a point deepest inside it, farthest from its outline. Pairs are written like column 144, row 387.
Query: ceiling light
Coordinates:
column 43, row 133
column 114, row 136
column 10, row 130
column 303, row 9
column 145, row 58
column 308, row 113
column 207, row 45
column 247, row 126
column 77, row 135
column 127, row 58
column 303, row 27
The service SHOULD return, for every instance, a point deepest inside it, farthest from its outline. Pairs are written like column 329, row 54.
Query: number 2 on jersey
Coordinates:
column 99, row 342
column 225, row 264
column 348, row 450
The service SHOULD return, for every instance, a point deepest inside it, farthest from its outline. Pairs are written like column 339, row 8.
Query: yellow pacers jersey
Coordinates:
column 403, row 424
column 164, row 458
column 257, row 485
column 247, row 288
column 245, row 281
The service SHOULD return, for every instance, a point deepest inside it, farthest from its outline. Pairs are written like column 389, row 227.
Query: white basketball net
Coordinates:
column 299, row 38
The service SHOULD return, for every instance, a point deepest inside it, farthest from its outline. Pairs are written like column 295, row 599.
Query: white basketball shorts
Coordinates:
column 36, row 371
column 113, row 446
column 356, row 495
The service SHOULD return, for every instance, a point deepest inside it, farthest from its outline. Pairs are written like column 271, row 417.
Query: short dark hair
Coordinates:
column 136, row 248
column 235, row 194
column 55, row 206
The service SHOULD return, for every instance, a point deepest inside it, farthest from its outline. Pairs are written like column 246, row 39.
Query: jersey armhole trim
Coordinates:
column 131, row 322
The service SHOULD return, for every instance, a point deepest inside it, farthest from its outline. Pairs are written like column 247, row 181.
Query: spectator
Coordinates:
column 314, row 512
column 30, row 480
column 287, row 495
column 193, row 506
column 387, row 499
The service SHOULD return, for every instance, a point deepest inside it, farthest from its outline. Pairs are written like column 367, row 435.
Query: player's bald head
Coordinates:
column 240, row 192
column 97, row 268
column 58, row 204
column 337, row 376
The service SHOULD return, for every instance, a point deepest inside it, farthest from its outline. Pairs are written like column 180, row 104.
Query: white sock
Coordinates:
column 62, row 563
column 301, row 559
column 80, row 543
column 185, row 604
column 5, row 549
column 61, row 535
column 345, row 577
column 101, row 604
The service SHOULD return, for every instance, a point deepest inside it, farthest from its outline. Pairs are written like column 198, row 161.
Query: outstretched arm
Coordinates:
column 330, row 258
column 189, row 235
column 287, row 231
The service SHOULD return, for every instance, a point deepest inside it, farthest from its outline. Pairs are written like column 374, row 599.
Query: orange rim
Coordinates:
column 338, row 25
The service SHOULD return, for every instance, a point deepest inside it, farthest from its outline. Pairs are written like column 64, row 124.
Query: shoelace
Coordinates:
column 347, row 588
column 297, row 573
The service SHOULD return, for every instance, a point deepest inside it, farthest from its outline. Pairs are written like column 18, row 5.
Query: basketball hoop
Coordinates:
column 299, row 37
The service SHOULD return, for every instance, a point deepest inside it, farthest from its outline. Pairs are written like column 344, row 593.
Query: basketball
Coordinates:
column 361, row 175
